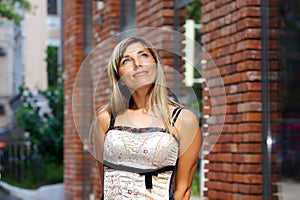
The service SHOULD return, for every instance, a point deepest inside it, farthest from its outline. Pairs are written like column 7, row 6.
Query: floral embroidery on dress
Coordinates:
column 112, row 187
column 142, row 148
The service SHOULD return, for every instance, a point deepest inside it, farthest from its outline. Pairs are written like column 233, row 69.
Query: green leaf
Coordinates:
column 9, row 9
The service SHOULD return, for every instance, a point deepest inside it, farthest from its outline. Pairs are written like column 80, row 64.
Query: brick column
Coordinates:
column 154, row 13
column 72, row 61
column 74, row 171
column 231, row 34
column 106, row 24
column 160, row 14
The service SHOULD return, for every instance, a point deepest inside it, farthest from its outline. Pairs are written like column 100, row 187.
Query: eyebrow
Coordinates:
column 125, row 56
column 139, row 52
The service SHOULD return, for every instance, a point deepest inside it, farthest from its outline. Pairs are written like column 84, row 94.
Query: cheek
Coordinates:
column 125, row 77
column 154, row 71
column 123, row 72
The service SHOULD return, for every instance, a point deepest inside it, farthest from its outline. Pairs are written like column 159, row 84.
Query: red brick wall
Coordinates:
column 75, row 173
column 72, row 61
column 152, row 13
column 160, row 14
column 110, row 26
column 231, row 34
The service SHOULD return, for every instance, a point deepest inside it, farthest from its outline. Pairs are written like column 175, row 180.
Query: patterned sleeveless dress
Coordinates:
column 139, row 163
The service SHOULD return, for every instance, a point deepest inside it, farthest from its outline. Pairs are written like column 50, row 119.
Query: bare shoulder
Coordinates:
column 104, row 114
column 188, row 131
column 104, row 119
column 188, row 118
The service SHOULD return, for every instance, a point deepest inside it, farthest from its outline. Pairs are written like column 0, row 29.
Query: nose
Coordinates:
column 137, row 63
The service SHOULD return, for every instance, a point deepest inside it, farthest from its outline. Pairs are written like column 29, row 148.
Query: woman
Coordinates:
column 146, row 140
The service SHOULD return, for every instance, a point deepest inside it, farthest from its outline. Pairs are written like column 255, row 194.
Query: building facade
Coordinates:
column 11, row 75
column 35, row 68
column 46, row 20
column 246, row 41
column 23, row 53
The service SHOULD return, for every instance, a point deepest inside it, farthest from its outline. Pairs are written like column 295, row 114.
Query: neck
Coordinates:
column 140, row 99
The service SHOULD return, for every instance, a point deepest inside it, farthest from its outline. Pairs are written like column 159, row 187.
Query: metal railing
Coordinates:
column 21, row 163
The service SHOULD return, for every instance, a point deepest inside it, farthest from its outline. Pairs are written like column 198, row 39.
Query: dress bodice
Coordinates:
column 139, row 163
column 144, row 148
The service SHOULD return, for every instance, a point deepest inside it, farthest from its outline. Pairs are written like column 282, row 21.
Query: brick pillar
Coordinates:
column 231, row 34
column 154, row 13
column 160, row 14
column 72, row 61
column 74, row 171
column 106, row 24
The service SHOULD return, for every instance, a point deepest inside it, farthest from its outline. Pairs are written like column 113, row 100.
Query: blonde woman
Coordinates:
column 146, row 141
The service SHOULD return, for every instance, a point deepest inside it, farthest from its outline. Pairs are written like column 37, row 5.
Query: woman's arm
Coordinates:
column 190, row 139
column 103, row 122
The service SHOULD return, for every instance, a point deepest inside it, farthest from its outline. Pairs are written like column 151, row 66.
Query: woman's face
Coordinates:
column 137, row 67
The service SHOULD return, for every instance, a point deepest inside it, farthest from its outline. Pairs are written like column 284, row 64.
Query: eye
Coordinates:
column 124, row 61
column 144, row 55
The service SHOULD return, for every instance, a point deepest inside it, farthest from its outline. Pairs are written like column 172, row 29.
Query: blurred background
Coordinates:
column 255, row 45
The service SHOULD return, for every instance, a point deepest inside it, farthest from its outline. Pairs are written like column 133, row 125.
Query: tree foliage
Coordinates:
column 52, row 66
column 194, row 11
column 9, row 9
column 45, row 129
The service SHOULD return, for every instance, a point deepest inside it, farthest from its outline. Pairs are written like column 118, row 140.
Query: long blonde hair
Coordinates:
column 121, row 99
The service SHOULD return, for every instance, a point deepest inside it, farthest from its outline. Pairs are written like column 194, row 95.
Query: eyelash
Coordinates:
column 123, row 62
column 142, row 55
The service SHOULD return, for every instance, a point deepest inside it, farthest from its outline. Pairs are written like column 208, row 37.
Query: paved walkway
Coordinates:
column 288, row 190
column 9, row 197
column 5, row 195
column 47, row 192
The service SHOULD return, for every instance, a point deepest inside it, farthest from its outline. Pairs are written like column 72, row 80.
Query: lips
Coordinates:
column 140, row 73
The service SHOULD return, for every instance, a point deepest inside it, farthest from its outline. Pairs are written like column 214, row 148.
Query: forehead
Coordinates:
column 134, row 48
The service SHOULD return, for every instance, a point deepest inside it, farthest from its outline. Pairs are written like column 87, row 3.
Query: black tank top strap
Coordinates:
column 175, row 114
column 112, row 121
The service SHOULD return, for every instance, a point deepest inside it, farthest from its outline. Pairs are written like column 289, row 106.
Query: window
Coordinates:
column 52, row 6
column 2, row 51
column 127, row 19
column 2, row 109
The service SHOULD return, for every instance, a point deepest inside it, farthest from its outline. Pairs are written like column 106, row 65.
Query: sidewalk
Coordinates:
column 48, row 192
column 288, row 190
column 5, row 195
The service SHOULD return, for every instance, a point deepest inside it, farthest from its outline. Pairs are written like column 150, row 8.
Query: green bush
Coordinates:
column 54, row 173
column 38, row 175
column 44, row 130
column 195, row 185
